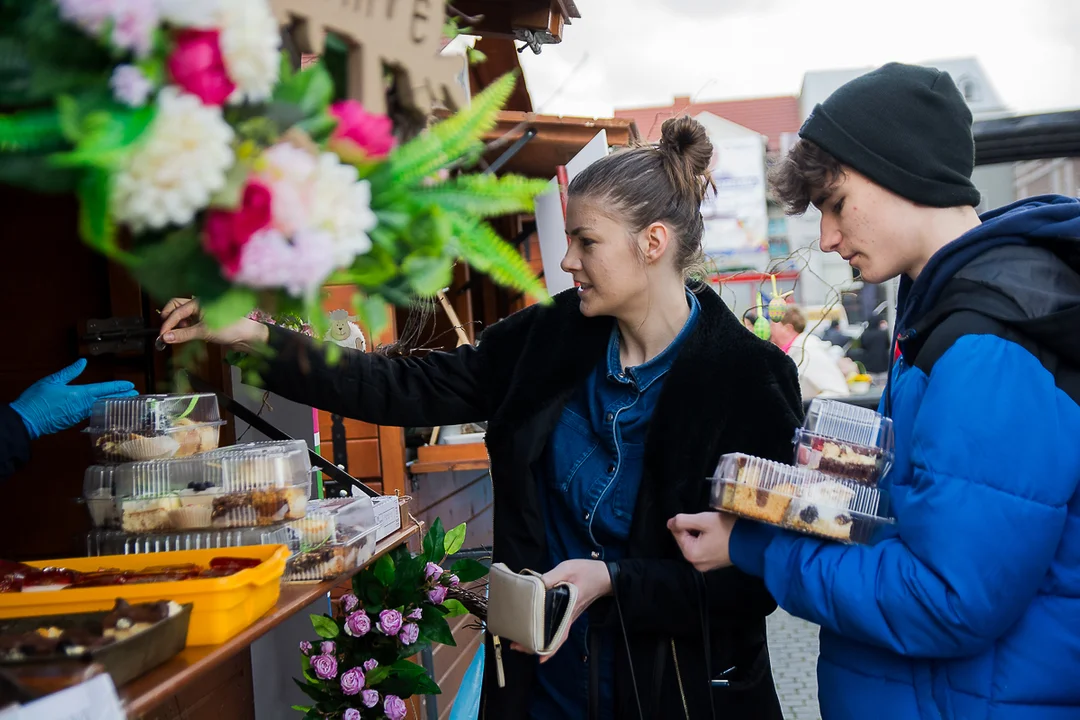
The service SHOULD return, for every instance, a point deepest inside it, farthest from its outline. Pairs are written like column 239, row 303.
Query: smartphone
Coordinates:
column 556, row 604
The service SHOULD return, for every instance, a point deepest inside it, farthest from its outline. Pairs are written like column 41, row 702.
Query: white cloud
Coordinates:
column 644, row 52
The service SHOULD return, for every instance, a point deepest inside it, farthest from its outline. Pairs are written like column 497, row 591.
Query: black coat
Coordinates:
column 727, row 391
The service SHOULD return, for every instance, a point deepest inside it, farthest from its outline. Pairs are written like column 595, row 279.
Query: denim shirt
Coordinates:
column 590, row 473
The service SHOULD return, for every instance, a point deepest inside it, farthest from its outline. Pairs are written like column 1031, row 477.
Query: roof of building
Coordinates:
column 769, row 116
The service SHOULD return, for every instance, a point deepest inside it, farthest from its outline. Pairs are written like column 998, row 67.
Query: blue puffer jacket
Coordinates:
column 969, row 606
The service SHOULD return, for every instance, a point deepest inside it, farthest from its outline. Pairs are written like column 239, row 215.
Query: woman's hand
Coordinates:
column 592, row 581
column 181, row 323
column 704, row 538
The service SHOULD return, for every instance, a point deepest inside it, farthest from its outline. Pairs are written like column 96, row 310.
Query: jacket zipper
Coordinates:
column 678, row 677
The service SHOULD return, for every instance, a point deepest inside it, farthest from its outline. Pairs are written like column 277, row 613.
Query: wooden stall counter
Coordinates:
column 447, row 458
column 148, row 693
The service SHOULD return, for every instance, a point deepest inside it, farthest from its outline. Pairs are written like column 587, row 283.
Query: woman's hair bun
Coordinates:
column 686, row 138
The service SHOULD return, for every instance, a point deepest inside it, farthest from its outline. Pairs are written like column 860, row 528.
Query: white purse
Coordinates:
column 523, row 610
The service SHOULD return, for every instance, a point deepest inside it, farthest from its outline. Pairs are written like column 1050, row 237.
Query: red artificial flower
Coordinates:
column 196, row 65
column 227, row 232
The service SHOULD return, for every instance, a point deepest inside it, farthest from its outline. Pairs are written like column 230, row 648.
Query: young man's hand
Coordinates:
column 704, row 538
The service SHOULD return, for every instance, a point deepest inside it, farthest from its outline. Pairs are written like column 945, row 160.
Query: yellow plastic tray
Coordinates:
column 223, row 606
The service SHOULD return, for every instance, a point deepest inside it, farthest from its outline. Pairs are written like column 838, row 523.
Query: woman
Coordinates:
column 607, row 410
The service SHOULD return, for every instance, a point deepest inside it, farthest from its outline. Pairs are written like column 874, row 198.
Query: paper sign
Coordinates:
column 92, row 700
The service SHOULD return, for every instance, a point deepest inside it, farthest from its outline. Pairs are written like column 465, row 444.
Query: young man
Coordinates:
column 819, row 374
column 969, row 606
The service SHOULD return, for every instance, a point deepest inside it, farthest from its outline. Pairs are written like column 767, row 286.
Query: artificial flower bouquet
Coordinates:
column 210, row 167
column 358, row 667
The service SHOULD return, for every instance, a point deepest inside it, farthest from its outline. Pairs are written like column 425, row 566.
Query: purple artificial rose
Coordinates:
column 432, row 571
column 390, row 622
column 437, row 594
column 352, row 681
column 352, row 714
column 394, row 707
column 358, row 624
column 370, row 698
column 417, row 614
column 409, row 634
column 454, row 581
column 305, row 647
column 370, row 665
column 328, row 647
column 349, row 602
column 325, row 666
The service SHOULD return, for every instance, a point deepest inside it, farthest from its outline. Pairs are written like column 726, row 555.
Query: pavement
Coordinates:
column 793, row 648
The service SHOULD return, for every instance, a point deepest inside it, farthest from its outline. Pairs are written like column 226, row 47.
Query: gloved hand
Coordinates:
column 51, row 405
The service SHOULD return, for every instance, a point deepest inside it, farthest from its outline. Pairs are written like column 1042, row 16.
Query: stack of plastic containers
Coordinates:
column 832, row 491
column 163, row 484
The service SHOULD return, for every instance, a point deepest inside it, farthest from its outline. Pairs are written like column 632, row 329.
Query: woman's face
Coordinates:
column 605, row 259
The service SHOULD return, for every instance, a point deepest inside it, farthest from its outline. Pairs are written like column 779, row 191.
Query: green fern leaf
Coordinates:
column 30, row 130
column 484, row 195
column 479, row 245
column 450, row 139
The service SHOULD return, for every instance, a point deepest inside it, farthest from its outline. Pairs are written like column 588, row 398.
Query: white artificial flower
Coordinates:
column 342, row 207
column 131, row 23
column 180, row 162
column 130, row 86
column 250, row 40
column 289, row 172
column 196, row 14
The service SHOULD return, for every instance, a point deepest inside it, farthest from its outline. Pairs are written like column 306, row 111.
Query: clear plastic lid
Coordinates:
column 115, row 542
column 798, row 498
column 336, row 520
column 851, row 424
column 98, row 496
column 154, row 414
column 258, row 465
column 331, row 559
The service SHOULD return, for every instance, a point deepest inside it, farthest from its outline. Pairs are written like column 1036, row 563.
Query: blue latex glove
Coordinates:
column 51, row 405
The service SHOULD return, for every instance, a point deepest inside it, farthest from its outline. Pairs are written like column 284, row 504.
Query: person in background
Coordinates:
column 48, row 406
column 819, row 375
column 969, row 605
column 834, row 336
column 876, row 342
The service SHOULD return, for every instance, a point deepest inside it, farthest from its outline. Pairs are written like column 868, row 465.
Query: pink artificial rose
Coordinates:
column 348, row 600
column 197, row 66
column 432, row 571
column 360, row 135
column 409, row 633
column 352, row 713
column 305, row 647
column 454, row 581
column 228, row 231
column 370, row 698
column 328, row 647
column 352, row 681
column 390, row 622
column 437, row 594
column 325, row 666
column 394, row 707
column 370, row 665
column 358, row 624
column 416, row 614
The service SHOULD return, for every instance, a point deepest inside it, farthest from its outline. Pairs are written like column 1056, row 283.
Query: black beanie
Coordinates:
column 905, row 127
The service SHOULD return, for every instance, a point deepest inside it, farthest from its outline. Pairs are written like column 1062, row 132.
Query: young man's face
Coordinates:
column 870, row 227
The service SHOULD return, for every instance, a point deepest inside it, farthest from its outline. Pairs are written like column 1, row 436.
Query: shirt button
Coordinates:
column 584, row 658
column 622, row 376
column 595, row 555
column 587, row 516
column 610, row 417
column 611, row 469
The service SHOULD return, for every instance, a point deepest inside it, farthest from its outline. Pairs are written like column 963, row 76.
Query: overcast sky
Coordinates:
column 627, row 53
